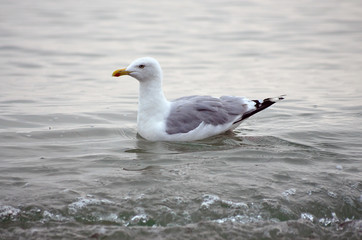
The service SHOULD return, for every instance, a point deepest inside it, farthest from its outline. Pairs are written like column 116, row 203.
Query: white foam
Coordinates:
column 307, row 216
column 235, row 204
column 84, row 202
column 332, row 194
column 56, row 217
column 213, row 199
column 8, row 211
column 140, row 218
column 112, row 217
column 329, row 221
column 209, row 200
column 289, row 192
column 240, row 219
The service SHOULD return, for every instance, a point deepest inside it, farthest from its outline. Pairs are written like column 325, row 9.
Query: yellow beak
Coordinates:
column 120, row 72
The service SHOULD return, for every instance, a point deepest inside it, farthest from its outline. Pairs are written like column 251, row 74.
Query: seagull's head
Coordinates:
column 143, row 69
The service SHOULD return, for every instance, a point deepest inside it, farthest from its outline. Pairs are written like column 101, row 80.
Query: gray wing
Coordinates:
column 188, row 113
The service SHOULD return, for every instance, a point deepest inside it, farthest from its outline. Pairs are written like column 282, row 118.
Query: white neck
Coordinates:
column 152, row 102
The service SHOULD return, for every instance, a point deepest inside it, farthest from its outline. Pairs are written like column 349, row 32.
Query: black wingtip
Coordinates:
column 267, row 102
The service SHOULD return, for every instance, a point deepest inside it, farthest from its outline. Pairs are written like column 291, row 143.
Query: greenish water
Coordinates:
column 73, row 167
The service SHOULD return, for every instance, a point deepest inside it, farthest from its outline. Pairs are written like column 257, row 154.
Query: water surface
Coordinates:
column 73, row 166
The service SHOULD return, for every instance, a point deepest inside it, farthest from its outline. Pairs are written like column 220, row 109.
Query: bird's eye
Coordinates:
column 141, row 66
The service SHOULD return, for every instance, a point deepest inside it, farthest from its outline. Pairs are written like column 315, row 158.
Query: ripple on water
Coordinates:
column 180, row 213
column 73, row 167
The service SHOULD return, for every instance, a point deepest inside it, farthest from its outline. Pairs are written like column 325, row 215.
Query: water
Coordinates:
column 72, row 165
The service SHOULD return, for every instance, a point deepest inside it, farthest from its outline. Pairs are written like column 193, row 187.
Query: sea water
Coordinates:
column 73, row 167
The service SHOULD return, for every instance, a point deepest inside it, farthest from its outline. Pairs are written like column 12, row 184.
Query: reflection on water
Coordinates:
column 72, row 164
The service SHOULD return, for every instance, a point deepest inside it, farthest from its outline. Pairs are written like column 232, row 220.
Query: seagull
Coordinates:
column 188, row 118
